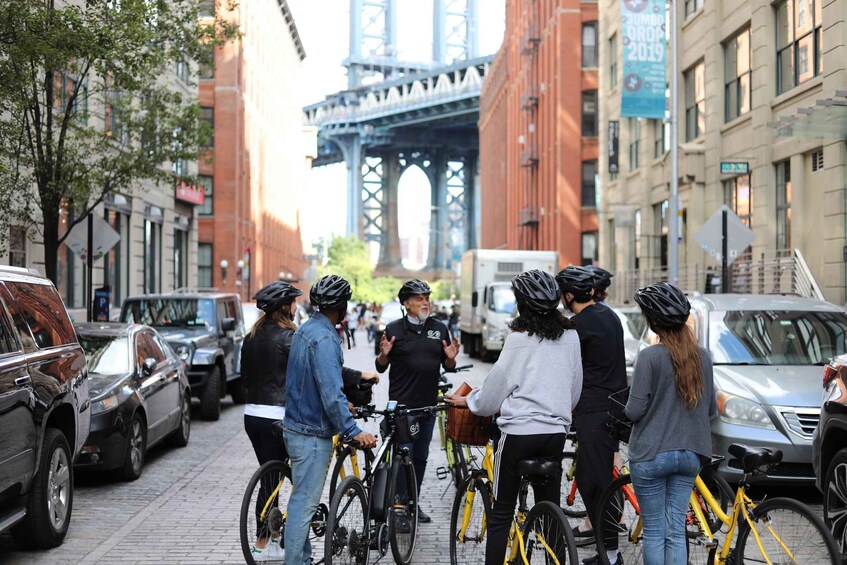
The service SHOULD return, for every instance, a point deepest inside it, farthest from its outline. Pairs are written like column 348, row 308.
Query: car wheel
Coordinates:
column 179, row 438
column 136, row 449
column 51, row 496
column 835, row 499
column 210, row 398
column 238, row 392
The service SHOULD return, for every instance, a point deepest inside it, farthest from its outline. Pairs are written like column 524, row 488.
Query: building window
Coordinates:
column 589, row 113
column 208, row 184
column 17, row 246
column 692, row 6
column 589, row 248
column 613, row 62
column 661, row 138
column 783, row 205
column 65, row 84
column 152, row 256
column 695, row 102
column 589, row 184
column 206, row 64
column 116, row 261
column 207, row 114
column 634, row 142
column 798, row 42
column 739, row 198
column 113, row 109
column 180, row 258
column 660, row 224
column 589, row 45
column 204, row 265
column 182, row 69
column 637, row 240
column 737, row 76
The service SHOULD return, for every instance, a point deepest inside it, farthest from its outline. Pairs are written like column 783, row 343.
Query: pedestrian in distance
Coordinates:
column 316, row 410
column 604, row 372
column 670, row 404
column 534, row 385
column 602, row 282
column 416, row 347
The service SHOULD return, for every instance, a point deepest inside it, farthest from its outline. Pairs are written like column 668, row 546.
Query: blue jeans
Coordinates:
column 419, row 450
column 663, row 486
column 309, row 456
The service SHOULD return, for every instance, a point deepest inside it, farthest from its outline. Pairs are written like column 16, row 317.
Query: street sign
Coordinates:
column 104, row 238
column 734, row 168
column 710, row 237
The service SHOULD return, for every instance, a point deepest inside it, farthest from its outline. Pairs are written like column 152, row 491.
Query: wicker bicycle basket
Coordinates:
column 620, row 426
column 465, row 427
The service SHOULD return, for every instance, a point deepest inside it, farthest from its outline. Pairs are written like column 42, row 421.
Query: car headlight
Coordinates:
column 105, row 404
column 737, row 410
column 183, row 351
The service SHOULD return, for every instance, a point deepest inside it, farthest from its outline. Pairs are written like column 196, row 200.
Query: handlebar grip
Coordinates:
column 463, row 368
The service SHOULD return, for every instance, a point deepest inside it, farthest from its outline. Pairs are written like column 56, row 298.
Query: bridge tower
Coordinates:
column 376, row 158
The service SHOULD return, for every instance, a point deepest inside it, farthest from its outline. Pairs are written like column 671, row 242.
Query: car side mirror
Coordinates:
column 228, row 325
column 148, row 366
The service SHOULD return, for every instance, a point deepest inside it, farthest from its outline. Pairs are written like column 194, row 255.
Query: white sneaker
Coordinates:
column 272, row 552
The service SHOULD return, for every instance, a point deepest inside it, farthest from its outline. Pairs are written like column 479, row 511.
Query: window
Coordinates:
column 589, row 113
column 661, row 138
column 152, row 256
column 739, row 198
column 737, row 73
column 41, row 312
column 634, row 142
column 206, row 64
column 589, row 184
column 637, row 239
column 208, row 184
column 208, row 115
column 613, row 62
column 180, row 258
column 8, row 342
column 204, row 265
column 589, row 248
column 798, row 42
column 692, row 6
column 17, row 246
column 589, row 45
column 817, row 161
column 64, row 84
column 113, row 111
column 182, row 69
column 116, row 261
column 661, row 227
column 180, row 165
column 783, row 205
column 695, row 102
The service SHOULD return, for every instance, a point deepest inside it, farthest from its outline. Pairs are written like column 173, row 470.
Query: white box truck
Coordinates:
column 488, row 302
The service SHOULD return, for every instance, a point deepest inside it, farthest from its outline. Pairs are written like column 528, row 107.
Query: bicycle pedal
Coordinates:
column 441, row 473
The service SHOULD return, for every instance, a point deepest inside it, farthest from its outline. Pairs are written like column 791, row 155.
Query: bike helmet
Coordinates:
column 537, row 291
column 330, row 292
column 412, row 288
column 273, row 296
column 664, row 304
column 602, row 277
column 578, row 281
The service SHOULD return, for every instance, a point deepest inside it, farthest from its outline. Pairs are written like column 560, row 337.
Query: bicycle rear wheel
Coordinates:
column 547, row 536
column 403, row 514
column 790, row 532
column 623, row 518
column 572, row 504
column 467, row 543
column 263, row 511
column 347, row 539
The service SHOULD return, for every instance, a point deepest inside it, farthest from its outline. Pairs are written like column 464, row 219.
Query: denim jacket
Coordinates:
column 314, row 402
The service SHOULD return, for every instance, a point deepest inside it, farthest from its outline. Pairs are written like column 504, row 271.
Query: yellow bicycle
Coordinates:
column 774, row 531
column 537, row 535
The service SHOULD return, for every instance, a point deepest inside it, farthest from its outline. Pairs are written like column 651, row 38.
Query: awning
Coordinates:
column 827, row 119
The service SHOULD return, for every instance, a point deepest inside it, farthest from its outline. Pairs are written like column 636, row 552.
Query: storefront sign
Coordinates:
column 734, row 168
column 614, row 134
column 644, row 58
column 191, row 194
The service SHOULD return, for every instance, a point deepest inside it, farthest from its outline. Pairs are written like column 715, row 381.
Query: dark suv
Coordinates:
column 44, row 409
column 206, row 331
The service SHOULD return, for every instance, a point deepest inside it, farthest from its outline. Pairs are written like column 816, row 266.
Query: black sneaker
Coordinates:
column 423, row 518
column 596, row 560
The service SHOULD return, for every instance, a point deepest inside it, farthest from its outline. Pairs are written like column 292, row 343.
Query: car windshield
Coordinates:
column 501, row 300
column 170, row 312
column 633, row 323
column 106, row 355
column 251, row 315
column 772, row 337
column 390, row 312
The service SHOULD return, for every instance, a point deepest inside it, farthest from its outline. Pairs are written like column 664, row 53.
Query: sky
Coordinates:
column 323, row 28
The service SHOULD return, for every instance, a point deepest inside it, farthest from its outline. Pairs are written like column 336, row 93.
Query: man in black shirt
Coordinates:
column 604, row 372
column 416, row 346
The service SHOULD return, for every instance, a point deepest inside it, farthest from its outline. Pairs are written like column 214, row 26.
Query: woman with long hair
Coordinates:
column 670, row 404
column 534, row 385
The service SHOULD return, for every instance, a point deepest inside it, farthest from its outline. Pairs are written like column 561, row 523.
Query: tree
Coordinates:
column 90, row 107
column 348, row 258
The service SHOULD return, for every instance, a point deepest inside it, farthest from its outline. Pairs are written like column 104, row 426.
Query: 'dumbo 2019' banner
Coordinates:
column 644, row 38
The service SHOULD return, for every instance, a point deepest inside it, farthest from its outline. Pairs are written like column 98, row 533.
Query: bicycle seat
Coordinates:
column 537, row 467
column 751, row 458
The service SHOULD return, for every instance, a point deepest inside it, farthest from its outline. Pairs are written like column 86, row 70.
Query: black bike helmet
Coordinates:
column 330, row 292
column 272, row 297
column 578, row 281
column 664, row 304
column 602, row 277
column 412, row 288
column 537, row 291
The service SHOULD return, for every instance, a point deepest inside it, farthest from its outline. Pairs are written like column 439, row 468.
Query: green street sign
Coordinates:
column 734, row 168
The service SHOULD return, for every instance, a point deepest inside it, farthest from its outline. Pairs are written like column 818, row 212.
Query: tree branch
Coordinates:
column 88, row 210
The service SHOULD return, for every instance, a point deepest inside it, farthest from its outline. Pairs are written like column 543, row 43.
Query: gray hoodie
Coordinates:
column 535, row 384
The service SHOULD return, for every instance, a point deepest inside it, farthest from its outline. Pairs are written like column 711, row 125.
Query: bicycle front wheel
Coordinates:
column 263, row 512
column 469, row 522
column 348, row 466
column 547, row 536
column 347, row 539
column 789, row 531
column 459, row 470
column 403, row 515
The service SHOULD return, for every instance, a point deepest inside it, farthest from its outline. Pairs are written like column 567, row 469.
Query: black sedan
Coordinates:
column 139, row 396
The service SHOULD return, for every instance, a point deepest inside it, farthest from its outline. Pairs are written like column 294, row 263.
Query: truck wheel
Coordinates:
column 210, row 398
column 51, row 496
column 237, row 391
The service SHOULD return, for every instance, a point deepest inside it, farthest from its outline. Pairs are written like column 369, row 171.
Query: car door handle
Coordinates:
column 23, row 381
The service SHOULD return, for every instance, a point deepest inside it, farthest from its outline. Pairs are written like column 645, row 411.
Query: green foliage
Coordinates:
column 91, row 105
column 348, row 257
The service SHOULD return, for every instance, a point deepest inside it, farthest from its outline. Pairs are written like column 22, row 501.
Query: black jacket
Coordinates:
column 264, row 361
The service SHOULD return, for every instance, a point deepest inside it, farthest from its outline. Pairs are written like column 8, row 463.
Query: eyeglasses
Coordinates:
column 420, row 298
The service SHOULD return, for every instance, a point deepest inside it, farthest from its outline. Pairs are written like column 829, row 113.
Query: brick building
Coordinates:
column 258, row 156
column 538, row 132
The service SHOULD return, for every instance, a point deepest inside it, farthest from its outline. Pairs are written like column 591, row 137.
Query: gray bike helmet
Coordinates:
column 330, row 292
column 602, row 277
column 537, row 291
column 273, row 296
column 578, row 281
column 664, row 304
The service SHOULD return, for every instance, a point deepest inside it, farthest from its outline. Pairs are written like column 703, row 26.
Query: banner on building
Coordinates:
column 644, row 38
column 614, row 134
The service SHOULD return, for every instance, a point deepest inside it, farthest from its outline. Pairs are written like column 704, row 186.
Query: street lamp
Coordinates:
column 224, row 267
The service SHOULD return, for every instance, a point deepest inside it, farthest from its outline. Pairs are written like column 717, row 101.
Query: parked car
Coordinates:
column 829, row 452
column 633, row 324
column 767, row 352
column 390, row 311
column 44, row 409
column 251, row 315
column 139, row 396
column 206, row 331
